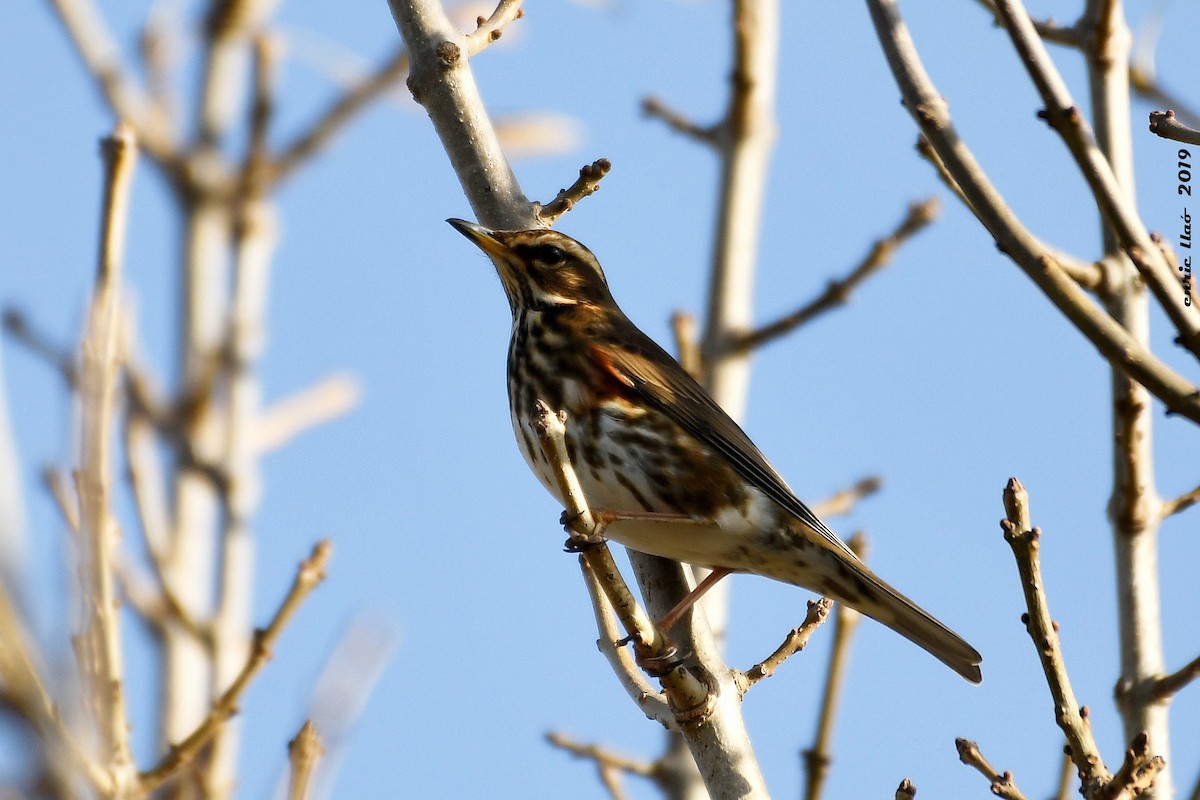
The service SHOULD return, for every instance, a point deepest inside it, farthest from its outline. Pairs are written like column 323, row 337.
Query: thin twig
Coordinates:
column 1137, row 773
column 98, row 531
column 1001, row 784
column 842, row 503
column 102, row 59
column 1181, row 503
column 58, row 357
column 818, row 612
column 1051, row 31
column 845, row 622
column 1118, row 211
column 1107, row 335
column 304, row 752
column 687, row 345
column 1168, row 685
column 309, row 575
column 490, row 29
column 608, row 763
column 1066, row 778
column 588, row 183
column 657, row 109
column 1088, row 275
column 1166, row 125
column 326, row 400
column 653, row 703
column 1025, row 542
column 838, row 292
column 338, row 115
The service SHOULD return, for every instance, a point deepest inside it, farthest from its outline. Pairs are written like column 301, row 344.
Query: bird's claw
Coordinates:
column 581, row 539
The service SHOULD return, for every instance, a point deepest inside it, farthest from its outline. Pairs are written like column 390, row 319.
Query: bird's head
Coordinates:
column 541, row 268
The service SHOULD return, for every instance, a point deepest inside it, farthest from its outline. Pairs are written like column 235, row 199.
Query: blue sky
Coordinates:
column 947, row 374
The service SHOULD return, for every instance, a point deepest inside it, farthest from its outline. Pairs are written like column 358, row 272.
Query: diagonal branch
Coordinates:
column 1115, row 204
column 930, row 112
column 1025, row 542
column 587, row 184
column 309, row 576
column 818, row 612
column 1002, row 785
column 1181, row 503
column 1168, row 685
column 1166, row 125
column 491, row 28
column 838, row 292
column 338, row 116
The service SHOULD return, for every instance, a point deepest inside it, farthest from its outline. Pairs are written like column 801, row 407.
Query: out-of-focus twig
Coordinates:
column 843, row 502
column 839, row 291
column 610, row 765
column 309, row 575
column 304, row 752
column 845, row 622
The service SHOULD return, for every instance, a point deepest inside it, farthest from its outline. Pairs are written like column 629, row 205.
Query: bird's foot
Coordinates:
column 581, row 539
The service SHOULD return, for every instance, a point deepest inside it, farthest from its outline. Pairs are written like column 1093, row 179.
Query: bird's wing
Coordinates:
column 633, row 359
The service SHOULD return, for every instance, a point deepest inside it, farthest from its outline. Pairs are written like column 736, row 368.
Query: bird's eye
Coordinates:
column 550, row 255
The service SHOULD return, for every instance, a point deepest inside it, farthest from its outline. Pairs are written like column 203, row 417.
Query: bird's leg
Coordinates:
column 683, row 605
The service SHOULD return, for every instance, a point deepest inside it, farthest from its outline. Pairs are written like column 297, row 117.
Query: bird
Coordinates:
column 645, row 438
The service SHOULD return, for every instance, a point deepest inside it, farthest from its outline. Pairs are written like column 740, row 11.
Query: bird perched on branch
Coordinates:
column 676, row 473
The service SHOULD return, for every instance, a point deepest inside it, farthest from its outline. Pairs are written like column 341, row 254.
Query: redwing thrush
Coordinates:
column 644, row 436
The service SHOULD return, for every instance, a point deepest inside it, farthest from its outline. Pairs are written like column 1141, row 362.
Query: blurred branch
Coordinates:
column 304, row 752
column 59, row 358
column 309, row 575
column 1025, row 542
column 608, row 764
column 1181, row 503
column 687, row 346
column 838, row 292
column 1107, row 335
column 818, row 612
column 1001, row 784
column 96, row 47
column 845, row 622
column 588, row 183
column 656, row 109
column 843, row 502
column 338, row 115
column 101, row 365
column 1066, row 775
column 1143, row 75
column 1168, row 685
column 326, row 400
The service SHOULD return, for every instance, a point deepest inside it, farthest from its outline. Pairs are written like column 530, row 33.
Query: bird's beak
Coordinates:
column 483, row 238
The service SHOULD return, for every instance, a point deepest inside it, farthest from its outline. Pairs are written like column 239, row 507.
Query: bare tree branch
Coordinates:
column 1168, row 685
column 1001, row 784
column 1106, row 334
column 845, row 622
column 304, row 752
column 1181, row 503
column 338, row 115
column 490, row 29
column 587, row 184
column 657, row 109
column 608, row 764
column 838, row 292
column 818, row 611
column 842, row 503
column 309, row 575
column 1025, row 542
column 1166, row 125
column 101, row 365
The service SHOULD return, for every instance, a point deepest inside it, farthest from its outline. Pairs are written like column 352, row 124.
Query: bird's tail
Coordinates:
column 842, row 576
